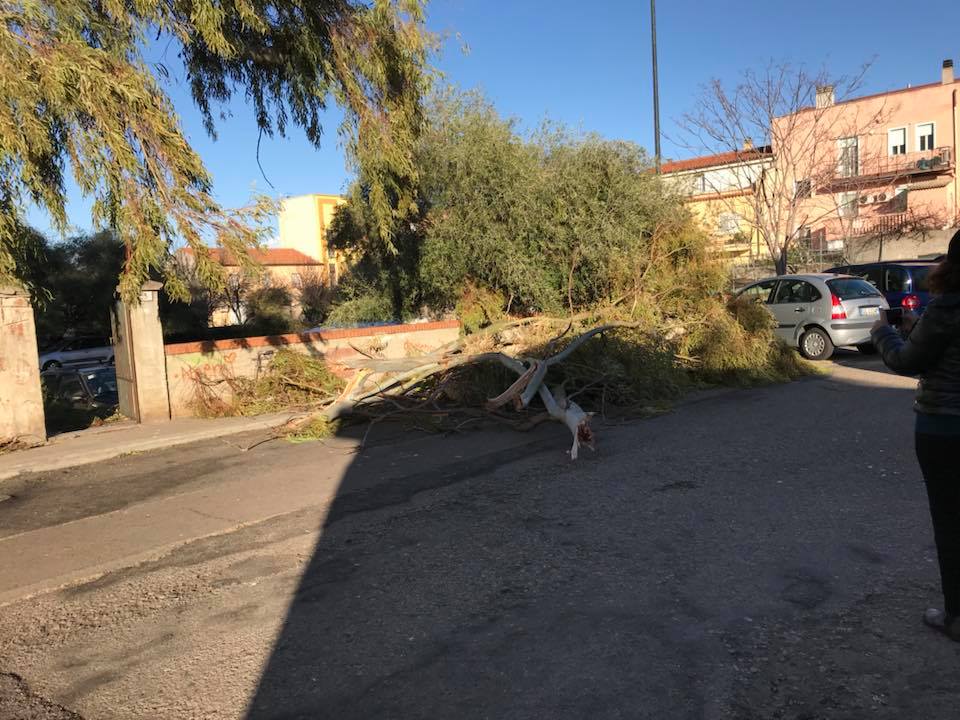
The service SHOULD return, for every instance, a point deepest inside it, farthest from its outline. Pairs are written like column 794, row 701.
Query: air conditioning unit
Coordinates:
column 864, row 199
column 880, row 197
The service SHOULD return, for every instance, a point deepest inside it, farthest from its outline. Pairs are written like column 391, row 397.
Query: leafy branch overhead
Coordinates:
column 80, row 99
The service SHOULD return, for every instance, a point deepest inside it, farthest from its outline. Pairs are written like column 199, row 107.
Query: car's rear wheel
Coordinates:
column 867, row 348
column 815, row 344
column 52, row 365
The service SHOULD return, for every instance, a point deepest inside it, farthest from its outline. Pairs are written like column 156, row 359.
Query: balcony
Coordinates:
column 882, row 225
column 895, row 168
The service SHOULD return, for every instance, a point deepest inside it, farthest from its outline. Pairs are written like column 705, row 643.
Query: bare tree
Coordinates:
column 813, row 174
column 238, row 286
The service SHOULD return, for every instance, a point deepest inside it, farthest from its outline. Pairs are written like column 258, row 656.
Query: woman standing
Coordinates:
column 932, row 351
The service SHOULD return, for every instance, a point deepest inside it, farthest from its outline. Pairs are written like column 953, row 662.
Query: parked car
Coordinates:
column 77, row 351
column 819, row 312
column 89, row 388
column 902, row 282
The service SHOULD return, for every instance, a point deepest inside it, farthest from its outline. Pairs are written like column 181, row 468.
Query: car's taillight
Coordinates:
column 911, row 303
column 838, row 312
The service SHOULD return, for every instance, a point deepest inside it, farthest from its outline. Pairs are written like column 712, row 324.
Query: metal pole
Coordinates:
column 656, row 85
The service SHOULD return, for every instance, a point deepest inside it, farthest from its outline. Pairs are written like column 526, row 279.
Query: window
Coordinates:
column 852, row 289
column 848, row 206
column 802, row 188
column 759, row 293
column 895, row 280
column 897, row 141
column 920, row 275
column 70, row 387
column 728, row 224
column 925, row 136
column 848, row 164
column 796, row 291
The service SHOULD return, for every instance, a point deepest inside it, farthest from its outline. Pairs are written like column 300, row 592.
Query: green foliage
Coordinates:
column 315, row 297
column 292, row 379
column 267, row 307
column 371, row 307
column 79, row 98
column 72, row 283
column 571, row 226
column 552, row 223
column 479, row 308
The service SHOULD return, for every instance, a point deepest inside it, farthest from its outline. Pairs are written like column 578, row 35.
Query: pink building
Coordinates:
column 877, row 175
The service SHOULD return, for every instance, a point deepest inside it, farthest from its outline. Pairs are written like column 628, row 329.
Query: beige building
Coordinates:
column 283, row 266
column 304, row 221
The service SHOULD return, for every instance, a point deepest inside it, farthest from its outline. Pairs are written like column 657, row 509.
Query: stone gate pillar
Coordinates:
column 140, row 358
column 21, row 400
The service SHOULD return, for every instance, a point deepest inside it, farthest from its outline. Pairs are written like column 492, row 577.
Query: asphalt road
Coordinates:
column 763, row 553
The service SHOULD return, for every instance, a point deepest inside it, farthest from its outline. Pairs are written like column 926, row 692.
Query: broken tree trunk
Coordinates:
column 380, row 382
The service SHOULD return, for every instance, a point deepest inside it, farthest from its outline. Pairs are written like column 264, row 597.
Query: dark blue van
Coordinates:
column 902, row 282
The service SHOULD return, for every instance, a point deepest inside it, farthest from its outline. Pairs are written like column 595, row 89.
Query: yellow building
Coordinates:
column 304, row 221
column 719, row 190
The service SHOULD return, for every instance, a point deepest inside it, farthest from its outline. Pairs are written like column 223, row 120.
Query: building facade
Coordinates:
column 719, row 191
column 304, row 221
column 281, row 266
column 876, row 174
column 866, row 178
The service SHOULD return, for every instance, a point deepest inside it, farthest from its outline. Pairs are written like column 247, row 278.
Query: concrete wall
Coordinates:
column 246, row 357
column 140, row 358
column 21, row 400
column 924, row 246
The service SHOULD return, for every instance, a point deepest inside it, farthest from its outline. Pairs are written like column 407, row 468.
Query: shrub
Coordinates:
column 371, row 307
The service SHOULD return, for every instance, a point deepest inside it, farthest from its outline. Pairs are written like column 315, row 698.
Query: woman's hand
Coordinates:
column 881, row 322
column 909, row 320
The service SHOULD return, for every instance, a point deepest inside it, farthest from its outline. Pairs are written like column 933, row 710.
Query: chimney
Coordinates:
column 946, row 75
column 748, row 144
column 825, row 97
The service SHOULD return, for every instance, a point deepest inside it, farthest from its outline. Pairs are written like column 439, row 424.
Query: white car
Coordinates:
column 77, row 351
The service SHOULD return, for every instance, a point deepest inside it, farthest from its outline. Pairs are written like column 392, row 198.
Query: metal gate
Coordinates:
column 123, row 357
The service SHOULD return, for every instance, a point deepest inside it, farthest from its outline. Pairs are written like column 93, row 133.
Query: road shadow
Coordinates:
column 707, row 563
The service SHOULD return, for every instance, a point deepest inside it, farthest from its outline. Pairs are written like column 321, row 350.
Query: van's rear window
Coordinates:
column 852, row 288
column 920, row 275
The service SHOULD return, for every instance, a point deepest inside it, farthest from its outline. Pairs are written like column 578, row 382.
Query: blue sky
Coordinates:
column 587, row 64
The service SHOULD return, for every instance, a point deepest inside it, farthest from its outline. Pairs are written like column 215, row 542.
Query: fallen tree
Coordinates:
column 524, row 372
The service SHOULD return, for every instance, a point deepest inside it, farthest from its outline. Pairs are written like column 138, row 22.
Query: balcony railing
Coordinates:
column 880, row 225
column 889, row 167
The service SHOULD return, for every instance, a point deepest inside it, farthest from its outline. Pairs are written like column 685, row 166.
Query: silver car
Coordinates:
column 816, row 313
column 77, row 351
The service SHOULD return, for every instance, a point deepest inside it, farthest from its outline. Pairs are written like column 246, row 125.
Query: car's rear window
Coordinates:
column 852, row 288
column 920, row 275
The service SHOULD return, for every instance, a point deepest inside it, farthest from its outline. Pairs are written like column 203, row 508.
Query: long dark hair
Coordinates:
column 945, row 277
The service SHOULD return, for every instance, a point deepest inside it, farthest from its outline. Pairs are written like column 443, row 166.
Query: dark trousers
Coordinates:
column 940, row 463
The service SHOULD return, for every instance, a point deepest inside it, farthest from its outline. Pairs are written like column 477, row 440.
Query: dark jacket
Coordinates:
column 931, row 351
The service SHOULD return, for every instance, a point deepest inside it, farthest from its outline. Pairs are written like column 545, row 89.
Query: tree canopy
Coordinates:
column 551, row 222
column 80, row 98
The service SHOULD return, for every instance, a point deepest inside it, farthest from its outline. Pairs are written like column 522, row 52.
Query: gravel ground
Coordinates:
column 758, row 554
